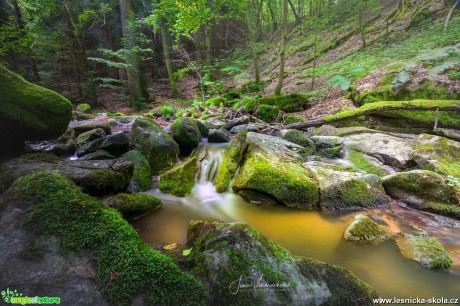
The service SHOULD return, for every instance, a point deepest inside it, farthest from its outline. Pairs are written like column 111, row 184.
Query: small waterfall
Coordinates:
column 210, row 158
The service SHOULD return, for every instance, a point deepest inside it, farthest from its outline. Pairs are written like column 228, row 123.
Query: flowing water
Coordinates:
column 315, row 234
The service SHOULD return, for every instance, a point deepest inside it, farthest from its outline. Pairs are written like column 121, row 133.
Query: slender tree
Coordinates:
column 456, row 6
column 284, row 33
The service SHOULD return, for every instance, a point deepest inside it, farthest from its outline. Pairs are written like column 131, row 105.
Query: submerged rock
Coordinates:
column 158, row 147
column 132, row 206
column 96, row 177
column 364, row 228
column 425, row 190
column 186, row 133
column 29, row 112
column 437, row 154
column 180, row 179
column 142, row 175
column 426, row 250
column 58, row 241
column 240, row 266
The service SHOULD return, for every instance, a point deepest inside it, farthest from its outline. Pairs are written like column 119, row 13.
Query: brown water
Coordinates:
column 316, row 234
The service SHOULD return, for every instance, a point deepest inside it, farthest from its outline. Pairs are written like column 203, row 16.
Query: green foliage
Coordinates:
column 343, row 82
column 168, row 111
column 125, row 265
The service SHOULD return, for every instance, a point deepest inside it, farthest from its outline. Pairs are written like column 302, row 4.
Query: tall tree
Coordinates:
column 456, row 6
column 251, row 12
column 136, row 88
column 284, row 33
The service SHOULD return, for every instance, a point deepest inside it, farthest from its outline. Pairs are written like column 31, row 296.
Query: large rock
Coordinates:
column 425, row 190
column 426, row 250
column 63, row 146
column 180, row 179
column 158, row 147
column 366, row 163
column 235, row 122
column 95, row 177
column 230, row 257
column 86, row 254
column 115, row 144
column 390, row 150
column 346, row 190
column 364, row 228
column 142, row 175
column 297, row 137
column 437, row 154
column 29, row 112
column 186, row 133
column 132, row 206
column 218, row 136
column 83, row 126
column 90, row 136
column 272, row 166
column 249, row 127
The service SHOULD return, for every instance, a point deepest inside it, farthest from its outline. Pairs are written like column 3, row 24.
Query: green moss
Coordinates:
column 286, row 182
column 293, row 119
column 233, row 156
column 267, row 113
column 36, row 113
column 454, row 75
column 142, row 174
column 125, row 265
column 180, row 179
column 133, row 205
column 288, row 103
column 360, row 161
column 84, row 108
column 364, row 228
column 248, row 104
column 106, row 180
column 419, row 17
column 119, row 114
column 186, row 133
column 168, row 111
column 348, row 194
column 426, row 250
column 297, row 137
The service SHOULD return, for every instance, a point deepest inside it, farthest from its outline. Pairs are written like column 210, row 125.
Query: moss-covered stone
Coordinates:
column 267, row 113
column 115, row 144
column 425, row 190
column 142, row 175
column 90, row 136
column 29, row 111
column 233, row 156
column 98, row 155
column 180, row 179
column 157, row 146
column 297, row 137
column 366, row 163
column 247, row 104
column 426, row 250
column 364, row 228
column 125, row 266
column 293, row 119
column 132, row 206
column 288, row 103
column 186, row 133
column 84, row 108
column 437, row 154
column 227, row 254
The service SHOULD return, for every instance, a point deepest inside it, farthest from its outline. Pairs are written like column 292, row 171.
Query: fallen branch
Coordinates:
column 378, row 107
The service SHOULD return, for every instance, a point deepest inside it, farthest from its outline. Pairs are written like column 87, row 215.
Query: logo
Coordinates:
column 15, row 297
column 251, row 284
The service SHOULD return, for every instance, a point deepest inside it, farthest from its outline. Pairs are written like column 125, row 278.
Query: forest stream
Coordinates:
column 315, row 234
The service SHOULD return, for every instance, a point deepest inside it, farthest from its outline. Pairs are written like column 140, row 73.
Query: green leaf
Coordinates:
column 187, row 252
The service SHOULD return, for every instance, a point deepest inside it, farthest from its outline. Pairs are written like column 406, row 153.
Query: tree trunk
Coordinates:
column 208, row 44
column 135, row 86
column 297, row 19
column 272, row 14
column 253, row 45
column 284, row 31
column 456, row 5
column 166, row 48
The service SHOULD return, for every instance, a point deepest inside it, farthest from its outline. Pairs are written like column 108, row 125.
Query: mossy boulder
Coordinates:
column 233, row 156
column 218, row 136
column 340, row 190
column 297, row 137
column 226, row 255
column 235, row 122
column 437, row 154
column 84, row 108
column 29, row 112
column 186, row 133
column 249, row 127
column 158, row 147
column 97, row 155
column 293, row 119
column 364, row 228
column 272, row 166
column 204, row 130
column 426, row 250
column 142, row 175
column 90, row 136
column 328, row 146
column 425, row 190
column 95, row 177
column 267, row 113
column 125, row 267
column 115, row 144
column 288, row 103
column 366, row 163
column 179, row 180
column 132, row 206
